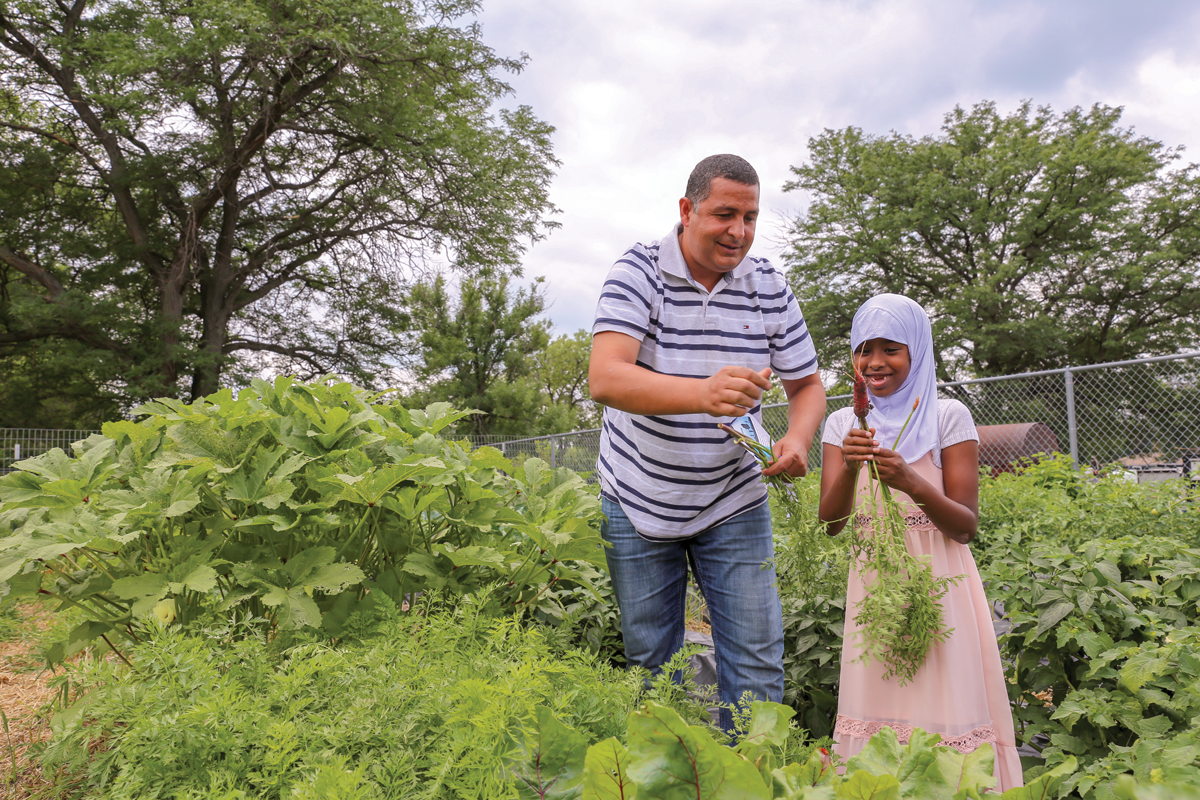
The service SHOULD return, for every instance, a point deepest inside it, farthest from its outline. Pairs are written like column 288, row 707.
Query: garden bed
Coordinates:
column 251, row 557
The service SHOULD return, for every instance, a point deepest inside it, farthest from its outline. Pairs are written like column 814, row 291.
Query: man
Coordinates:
column 688, row 332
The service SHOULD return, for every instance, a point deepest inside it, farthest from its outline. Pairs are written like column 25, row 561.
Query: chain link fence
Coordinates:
column 1144, row 414
column 577, row 450
column 17, row 444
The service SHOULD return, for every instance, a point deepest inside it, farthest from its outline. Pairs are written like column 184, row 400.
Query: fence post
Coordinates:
column 1071, row 425
column 553, row 450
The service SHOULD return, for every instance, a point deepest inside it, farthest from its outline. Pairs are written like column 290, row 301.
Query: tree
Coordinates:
column 477, row 352
column 562, row 375
column 53, row 385
column 191, row 184
column 1033, row 240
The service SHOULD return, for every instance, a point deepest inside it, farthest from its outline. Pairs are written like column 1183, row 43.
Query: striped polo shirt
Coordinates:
column 675, row 476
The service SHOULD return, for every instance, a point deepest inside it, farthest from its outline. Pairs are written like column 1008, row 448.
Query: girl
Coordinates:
column 959, row 692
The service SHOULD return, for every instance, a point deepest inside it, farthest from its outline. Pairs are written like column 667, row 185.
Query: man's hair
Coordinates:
column 723, row 165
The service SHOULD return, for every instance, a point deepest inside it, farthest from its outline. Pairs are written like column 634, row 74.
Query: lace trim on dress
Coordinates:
column 914, row 520
column 862, row 729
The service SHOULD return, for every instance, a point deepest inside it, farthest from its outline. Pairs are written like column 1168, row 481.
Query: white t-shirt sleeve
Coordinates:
column 955, row 426
column 837, row 426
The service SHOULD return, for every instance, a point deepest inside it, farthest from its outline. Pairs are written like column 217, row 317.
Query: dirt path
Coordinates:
column 23, row 694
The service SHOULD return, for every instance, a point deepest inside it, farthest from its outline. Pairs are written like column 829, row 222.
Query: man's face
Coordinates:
column 718, row 232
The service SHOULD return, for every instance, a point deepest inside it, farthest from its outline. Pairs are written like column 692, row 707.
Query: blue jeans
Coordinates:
column 650, row 582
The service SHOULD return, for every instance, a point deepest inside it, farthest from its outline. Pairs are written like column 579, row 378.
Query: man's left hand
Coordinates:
column 790, row 458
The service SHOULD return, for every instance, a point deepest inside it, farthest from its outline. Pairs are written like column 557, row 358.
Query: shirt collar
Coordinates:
column 671, row 261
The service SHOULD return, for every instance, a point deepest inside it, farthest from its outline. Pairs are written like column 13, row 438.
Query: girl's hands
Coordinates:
column 860, row 446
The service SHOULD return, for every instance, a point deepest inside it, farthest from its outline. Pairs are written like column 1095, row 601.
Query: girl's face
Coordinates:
column 884, row 364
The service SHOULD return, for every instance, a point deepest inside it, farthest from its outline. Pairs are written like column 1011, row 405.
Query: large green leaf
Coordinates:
column 369, row 489
column 155, row 493
column 1142, row 668
column 66, row 482
column 1052, row 615
column 410, row 501
column 1044, row 786
column 815, row 779
column 671, row 760
column 293, row 607
column 865, row 786
column 952, row 775
column 201, row 441
column 260, row 482
column 769, row 723
column 474, row 556
column 147, row 589
column 313, row 569
column 606, row 772
column 436, row 417
column 552, row 760
column 880, row 755
column 491, row 458
column 288, row 589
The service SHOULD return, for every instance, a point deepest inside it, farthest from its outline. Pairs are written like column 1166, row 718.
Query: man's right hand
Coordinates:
column 733, row 391
column 616, row 380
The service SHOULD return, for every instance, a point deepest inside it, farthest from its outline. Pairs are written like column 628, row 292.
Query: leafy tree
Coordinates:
column 1035, row 240
column 53, row 385
column 562, row 375
column 190, row 185
column 477, row 352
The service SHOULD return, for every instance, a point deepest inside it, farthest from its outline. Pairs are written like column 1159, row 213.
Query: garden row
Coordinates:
column 308, row 592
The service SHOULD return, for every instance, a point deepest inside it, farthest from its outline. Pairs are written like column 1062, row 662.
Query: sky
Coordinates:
column 640, row 90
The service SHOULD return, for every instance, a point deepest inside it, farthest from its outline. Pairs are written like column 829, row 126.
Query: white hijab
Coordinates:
column 895, row 317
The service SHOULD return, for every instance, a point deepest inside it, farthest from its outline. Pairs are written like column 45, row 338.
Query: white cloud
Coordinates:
column 1161, row 99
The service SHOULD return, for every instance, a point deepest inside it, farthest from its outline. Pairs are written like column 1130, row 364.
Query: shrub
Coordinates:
column 302, row 503
column 1051, row 501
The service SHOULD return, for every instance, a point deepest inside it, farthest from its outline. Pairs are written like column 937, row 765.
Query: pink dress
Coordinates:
column 959, row 692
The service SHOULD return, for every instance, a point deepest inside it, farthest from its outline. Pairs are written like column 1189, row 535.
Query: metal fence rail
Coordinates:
column 1143, row 413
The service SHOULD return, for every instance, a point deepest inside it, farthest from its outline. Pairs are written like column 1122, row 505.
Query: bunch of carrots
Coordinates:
column 901, row 617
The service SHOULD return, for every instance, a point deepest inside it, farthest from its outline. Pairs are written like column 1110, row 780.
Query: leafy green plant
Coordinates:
column 302, row 503
column 1105, row 655
column 428, row 707
column 1050, row 500
column 812, row 570
column 665, row 758
column 1145, row 701
column 812, row 658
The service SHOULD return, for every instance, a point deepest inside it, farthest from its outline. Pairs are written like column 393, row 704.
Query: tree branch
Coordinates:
column 32, row 271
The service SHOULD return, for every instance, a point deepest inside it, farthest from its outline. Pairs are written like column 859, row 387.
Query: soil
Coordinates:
column 24, row 698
